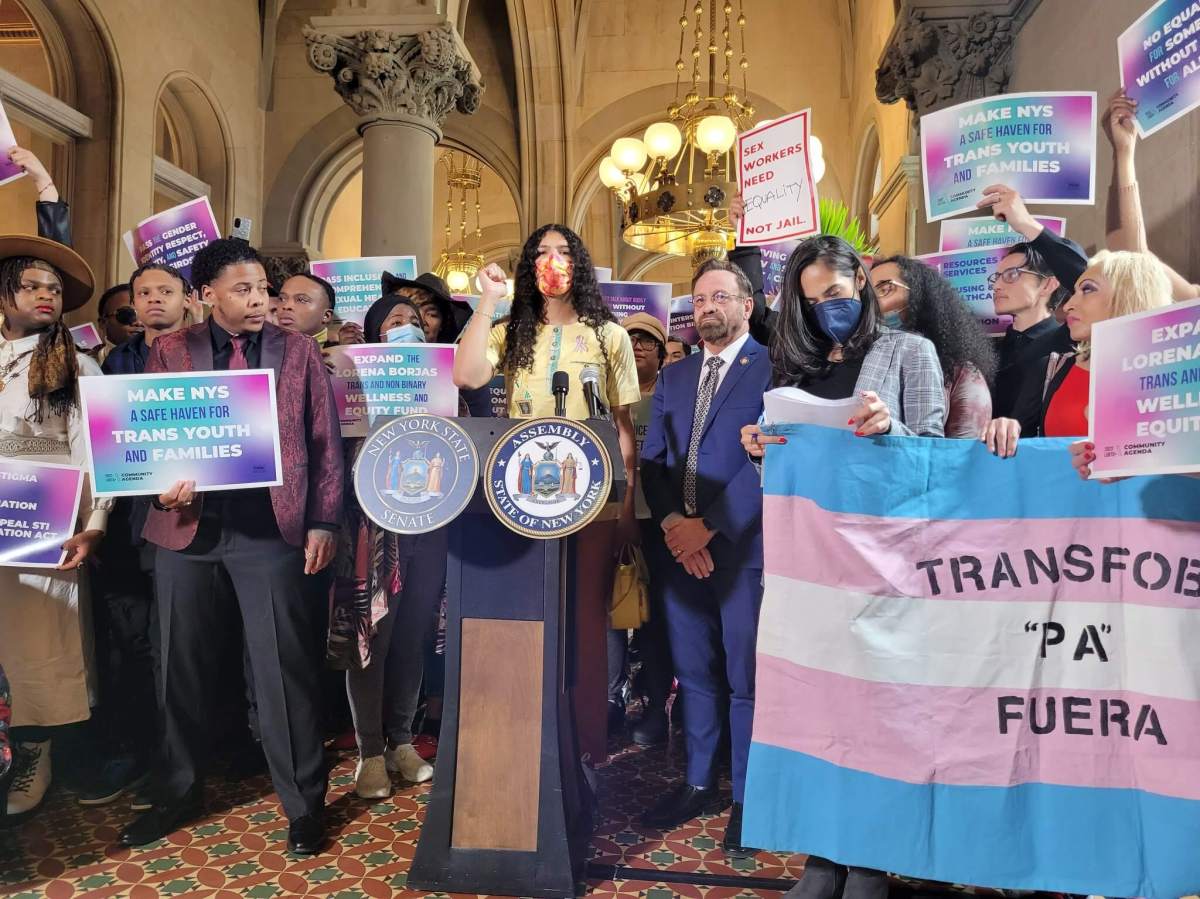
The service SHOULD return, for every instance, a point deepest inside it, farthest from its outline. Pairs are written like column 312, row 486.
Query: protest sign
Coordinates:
column 87, row 336
column 1144, row 408
column 146, row 432
column 174, row 236
column 502, row 308
column 774, row 260
column 1043, row 145
column 374, row 381
column 683, row 321
column 498, row 396
column 1159, row 59
column 603, row 274
column 985, row 232
column 989, row 682
column 9, row 170
column 776, row 183
column 625, row 298
column 39, row 505
column 967, row 271
column 358, row 281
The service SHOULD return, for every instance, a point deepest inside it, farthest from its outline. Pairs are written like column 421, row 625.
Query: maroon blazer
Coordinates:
column 310, row 439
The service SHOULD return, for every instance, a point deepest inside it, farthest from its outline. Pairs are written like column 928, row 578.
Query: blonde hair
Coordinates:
column 1139, row 283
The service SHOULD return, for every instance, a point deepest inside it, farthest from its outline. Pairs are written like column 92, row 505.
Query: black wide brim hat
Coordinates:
column 427, row 282
column 78, row 282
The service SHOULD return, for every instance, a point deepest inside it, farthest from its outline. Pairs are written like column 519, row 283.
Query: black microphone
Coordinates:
column 560, row 383
column 590, row 378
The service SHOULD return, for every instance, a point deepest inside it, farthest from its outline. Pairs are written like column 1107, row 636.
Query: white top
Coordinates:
column 56, row 439
column 729, row 355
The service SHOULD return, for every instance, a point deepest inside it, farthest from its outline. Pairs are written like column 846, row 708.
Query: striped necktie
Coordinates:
column 708, row 387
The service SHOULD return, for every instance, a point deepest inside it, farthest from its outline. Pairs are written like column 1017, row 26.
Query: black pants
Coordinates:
column 654, row 649
column 126, row 627
column 281, row 620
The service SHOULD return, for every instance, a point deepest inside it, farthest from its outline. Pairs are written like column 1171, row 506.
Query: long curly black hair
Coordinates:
column 529, row 306
column 799, row 349
column 937, row 311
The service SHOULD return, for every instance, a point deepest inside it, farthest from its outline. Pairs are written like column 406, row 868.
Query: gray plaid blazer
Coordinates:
column 903, row 369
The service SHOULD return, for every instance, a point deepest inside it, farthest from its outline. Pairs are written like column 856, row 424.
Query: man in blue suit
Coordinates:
column 704, row 491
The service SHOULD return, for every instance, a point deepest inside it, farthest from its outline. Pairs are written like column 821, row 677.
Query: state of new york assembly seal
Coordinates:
column 548, row 477
column 415, row 473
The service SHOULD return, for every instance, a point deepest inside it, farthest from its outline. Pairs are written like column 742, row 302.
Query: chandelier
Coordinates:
column 463, row 175
column 675, row 183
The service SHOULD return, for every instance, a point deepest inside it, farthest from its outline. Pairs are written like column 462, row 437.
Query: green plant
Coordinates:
column 837, row 221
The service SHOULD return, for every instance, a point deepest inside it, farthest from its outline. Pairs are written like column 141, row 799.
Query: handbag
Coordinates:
column 630, row 605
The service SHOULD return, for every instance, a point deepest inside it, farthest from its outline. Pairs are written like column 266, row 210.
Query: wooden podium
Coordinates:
column 510, row 812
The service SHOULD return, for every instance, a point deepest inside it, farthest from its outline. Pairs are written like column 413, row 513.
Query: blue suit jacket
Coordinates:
column 728, row 488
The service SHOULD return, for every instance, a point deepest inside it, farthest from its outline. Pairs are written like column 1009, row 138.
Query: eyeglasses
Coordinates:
column 721, row 298
column 54, row 290
column 126, row 315
column 1012, row 275
column 643, row 340
column 886, row 288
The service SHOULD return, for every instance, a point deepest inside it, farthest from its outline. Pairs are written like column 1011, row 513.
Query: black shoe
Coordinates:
column 143, row 798
column 160, row 821
column 683, row 804
column 731, row 844
column 652, row 729
column 616, row 716
column 306, row 835
column 117, row 777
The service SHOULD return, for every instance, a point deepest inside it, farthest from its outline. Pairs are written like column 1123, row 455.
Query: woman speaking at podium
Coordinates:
column 559, row 322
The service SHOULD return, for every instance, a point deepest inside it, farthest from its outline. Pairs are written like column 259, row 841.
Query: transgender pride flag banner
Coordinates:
column 978, row 670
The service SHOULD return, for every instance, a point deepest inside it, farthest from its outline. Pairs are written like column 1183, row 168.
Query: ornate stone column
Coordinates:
column 402, row 74
column 943, row 52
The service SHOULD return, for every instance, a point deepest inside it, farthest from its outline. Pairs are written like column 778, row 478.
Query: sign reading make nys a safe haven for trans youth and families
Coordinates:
column 1144, row 409
column 146, row 432
column 39, row 505
column 1043, row 145
column 1159, row 57
column 776, row 182
column 984, row 232
column 358, row 282
column 174, row 236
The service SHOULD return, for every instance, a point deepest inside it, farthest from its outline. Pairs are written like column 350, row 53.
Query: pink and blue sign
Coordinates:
column 358, row 281
column 967, row 271
column 775, row 257
column 1042, row 145
column 626, row 298
column 39, row 505
column 683, row 320
column 1144, row 410
column 1159, row 56
column 87, row 336
column 174, row 237
column 146, row 432
column 377, row 381
column 9, row 170
column 986, row 232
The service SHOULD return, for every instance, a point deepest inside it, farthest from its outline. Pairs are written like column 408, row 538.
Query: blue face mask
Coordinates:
column 838, row 318
column 406, row 334
column 893, row 320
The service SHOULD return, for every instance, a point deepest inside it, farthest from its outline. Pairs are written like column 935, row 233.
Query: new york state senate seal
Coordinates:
column 548, row 477
column 415, row 473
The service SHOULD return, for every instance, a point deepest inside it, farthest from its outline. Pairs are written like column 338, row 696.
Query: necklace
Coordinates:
column 7, row 371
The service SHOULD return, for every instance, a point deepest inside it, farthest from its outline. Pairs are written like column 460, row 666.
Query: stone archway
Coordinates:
column 204, row 149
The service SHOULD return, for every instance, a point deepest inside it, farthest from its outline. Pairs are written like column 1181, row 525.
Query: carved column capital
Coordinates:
column 942, row 52
column 417, row 76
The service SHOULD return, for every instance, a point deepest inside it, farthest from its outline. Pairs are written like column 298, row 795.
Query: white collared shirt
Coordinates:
column 729, row 355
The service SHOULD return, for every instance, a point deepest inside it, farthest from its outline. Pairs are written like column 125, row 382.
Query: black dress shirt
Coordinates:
column 222, row 344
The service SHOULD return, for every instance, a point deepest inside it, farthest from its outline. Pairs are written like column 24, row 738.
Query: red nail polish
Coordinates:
column 849, row 421
column 782, row 440
column 858, row 433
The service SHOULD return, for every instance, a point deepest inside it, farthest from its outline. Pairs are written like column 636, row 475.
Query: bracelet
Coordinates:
column 46, row 188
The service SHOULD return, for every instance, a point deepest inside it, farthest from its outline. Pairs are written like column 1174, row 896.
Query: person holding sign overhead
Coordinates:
column 559, row 321
column 265, row 543
column 41, row 642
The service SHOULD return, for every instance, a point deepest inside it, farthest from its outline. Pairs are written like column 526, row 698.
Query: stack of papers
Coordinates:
column 791, row 405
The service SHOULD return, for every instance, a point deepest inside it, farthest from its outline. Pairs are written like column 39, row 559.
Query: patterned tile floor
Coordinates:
column 65, row 850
